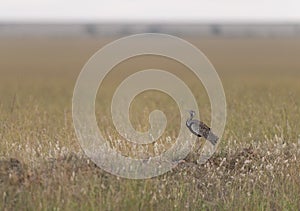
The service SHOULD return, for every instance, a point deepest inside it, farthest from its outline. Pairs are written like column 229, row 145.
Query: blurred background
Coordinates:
column 42, row 36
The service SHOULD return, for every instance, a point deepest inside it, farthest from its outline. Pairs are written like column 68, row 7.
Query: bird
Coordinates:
column 200, row 129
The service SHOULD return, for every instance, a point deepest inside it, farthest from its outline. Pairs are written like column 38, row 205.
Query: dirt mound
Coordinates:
column 11, row 171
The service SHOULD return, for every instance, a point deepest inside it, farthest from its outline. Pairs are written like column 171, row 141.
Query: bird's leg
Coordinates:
column 198, row 145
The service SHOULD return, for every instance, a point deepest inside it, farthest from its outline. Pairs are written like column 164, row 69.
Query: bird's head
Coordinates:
column 192, row 113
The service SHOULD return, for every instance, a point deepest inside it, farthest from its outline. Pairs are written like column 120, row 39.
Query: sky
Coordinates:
column 150, row 10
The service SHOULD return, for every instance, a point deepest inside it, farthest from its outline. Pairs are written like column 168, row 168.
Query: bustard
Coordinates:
column 200, row 129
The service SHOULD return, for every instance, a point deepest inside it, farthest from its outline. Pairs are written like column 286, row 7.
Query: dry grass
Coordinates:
column 42, row 165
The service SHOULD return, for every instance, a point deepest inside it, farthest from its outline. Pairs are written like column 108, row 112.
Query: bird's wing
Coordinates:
column 199, row 128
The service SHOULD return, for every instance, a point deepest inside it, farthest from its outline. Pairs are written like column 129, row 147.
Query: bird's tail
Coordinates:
column 212, row 138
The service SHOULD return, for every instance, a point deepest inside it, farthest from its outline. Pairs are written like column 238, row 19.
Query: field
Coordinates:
column 256, row 166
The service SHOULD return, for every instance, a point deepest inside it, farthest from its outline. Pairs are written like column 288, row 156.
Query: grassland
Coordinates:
column 256, row 166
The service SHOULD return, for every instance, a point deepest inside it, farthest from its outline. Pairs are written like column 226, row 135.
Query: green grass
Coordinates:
column 256, row 166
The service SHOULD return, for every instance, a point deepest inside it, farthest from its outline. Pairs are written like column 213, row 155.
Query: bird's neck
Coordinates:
column 189, row 120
